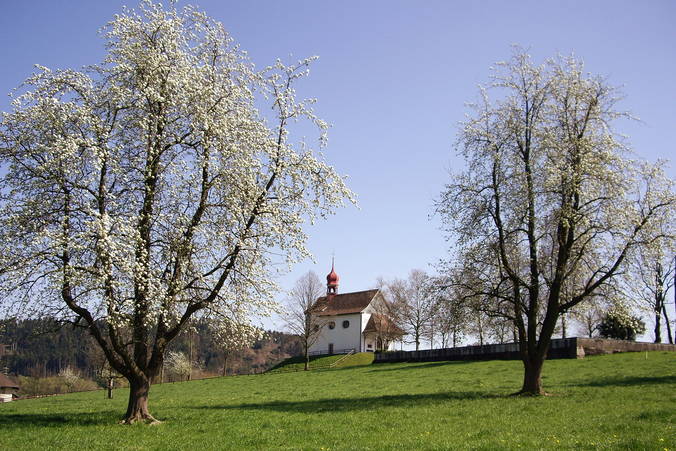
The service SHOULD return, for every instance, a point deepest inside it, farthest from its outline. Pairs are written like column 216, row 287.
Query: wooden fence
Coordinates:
column 560, row 348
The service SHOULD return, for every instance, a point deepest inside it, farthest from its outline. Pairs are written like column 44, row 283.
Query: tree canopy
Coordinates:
column 144, row 190
column 550, row 204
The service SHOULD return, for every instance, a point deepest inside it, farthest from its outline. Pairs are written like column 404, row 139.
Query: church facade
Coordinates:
column 357, row 321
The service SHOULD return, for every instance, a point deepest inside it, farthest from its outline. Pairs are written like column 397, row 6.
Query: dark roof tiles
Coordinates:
column 342, row 304
column 6, row 382
column 381, row 323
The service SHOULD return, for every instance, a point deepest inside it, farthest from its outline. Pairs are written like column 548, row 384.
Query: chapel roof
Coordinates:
column 342, row 304
column 6, row 382
column 382, row 323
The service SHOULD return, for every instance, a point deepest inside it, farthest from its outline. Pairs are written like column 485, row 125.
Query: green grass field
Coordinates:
column 622, row 401
column 324, row 361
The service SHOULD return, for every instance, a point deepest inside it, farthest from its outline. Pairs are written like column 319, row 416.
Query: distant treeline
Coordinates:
column 45, row 347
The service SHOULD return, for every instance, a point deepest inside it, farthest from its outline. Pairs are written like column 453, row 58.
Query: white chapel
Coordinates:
column 357, row 321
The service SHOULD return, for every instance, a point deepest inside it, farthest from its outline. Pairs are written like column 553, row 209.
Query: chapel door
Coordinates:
column 330, row 348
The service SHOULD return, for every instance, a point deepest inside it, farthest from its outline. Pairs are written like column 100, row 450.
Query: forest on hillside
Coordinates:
column 45, row 347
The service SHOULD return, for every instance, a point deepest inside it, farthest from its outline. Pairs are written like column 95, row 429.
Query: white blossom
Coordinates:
column 143, row 190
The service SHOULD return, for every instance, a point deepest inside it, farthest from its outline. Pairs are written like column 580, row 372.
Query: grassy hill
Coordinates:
column 324, row 361
column 621, row 401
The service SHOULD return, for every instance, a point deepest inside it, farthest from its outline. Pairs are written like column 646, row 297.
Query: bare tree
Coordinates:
column 648, row 279
column 297, row 316
column 387, row 317
column 414, row 303
column 589, row 317
column 499, row 328
column 451, row 315
column 386, row 328
column 481, row 291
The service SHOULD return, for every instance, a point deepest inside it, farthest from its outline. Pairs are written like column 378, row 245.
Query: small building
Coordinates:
column 6, row 350
column 8, row 387
column 358, row 321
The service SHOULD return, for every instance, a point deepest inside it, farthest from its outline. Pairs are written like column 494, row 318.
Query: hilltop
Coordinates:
column 321, row 362
column 608, row 402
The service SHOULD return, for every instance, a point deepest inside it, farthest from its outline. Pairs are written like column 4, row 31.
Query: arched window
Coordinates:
column 332, row 325
column 346, row 324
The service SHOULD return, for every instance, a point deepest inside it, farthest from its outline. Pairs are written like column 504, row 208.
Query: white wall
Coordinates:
column 350, row 338
column 364, row 321
column 342, row 338
column 371, row 338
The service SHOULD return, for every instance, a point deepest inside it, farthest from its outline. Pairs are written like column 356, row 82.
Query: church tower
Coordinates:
column 332, row 282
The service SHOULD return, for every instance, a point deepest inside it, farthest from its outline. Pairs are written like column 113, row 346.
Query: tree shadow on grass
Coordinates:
column 652, row 415
column 419, row 365
column 59, row 420
column 626, row 381
column 358, row 403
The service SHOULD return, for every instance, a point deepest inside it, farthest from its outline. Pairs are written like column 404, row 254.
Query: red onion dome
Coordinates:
column 332, row 278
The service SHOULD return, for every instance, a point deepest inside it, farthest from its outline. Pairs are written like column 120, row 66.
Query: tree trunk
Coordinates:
column 659, row 300
column 190, row 351
column 666, row 321
column 532, row 380
column 432, row 336
column 307, row 361
column 137, row 409
column 225, row 365
column 658, row 320
column 480, row 328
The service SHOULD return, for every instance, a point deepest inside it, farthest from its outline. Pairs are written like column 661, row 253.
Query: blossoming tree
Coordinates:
column 648, row 279
column 233, row 334
column 145, row 190
column 549, row 206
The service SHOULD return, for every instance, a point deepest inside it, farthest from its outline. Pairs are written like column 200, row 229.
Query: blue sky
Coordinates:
column 392, row 79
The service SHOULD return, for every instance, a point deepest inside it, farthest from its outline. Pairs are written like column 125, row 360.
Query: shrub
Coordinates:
column 69, row 377
column 35, row 386
column 178, row 365
column 620, row 324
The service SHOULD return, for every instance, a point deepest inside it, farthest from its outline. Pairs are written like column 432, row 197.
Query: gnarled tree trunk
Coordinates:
column 137, row 409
